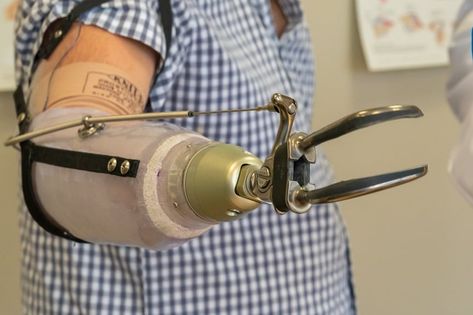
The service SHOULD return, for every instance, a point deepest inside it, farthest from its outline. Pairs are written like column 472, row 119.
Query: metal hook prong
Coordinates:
column 360, row 186
column 359, row 120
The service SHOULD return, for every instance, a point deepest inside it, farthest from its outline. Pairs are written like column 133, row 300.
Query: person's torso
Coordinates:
column 224, row 55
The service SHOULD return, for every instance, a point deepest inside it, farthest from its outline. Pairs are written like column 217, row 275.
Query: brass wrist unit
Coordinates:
column 210, row 182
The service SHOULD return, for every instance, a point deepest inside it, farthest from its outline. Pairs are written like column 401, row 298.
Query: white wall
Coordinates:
column 9, row 235
column 412, row 245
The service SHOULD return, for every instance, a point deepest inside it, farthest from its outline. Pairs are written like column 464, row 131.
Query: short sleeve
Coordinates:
column 135, row 19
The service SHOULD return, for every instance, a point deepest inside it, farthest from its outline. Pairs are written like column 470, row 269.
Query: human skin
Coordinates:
column 279, row 19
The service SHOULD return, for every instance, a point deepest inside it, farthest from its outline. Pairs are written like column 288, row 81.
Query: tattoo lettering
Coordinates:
column 114, row 88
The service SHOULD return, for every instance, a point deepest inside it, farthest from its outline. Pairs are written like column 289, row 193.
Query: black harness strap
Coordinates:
column 31, row 200
column 21, row 109
column 63, row 28
column 166, row 21
column 84, row 161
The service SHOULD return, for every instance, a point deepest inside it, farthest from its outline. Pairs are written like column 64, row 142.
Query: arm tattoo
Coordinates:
column 114, row 88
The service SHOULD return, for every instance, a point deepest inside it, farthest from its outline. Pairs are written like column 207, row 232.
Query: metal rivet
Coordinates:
column 21, row 117
column 276, row 98
column 112, row 165
column 292, row 108
column 57, row 34
column 125, row 167
column 233, row 213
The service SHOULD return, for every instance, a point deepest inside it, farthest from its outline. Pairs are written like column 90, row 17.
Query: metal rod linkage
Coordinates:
column 91, row 120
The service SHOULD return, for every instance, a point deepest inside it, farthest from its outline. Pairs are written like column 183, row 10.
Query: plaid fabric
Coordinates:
column 224, row 54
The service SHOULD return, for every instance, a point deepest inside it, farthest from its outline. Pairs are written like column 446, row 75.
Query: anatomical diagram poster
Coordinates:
column 7, row 15
column 406, row 34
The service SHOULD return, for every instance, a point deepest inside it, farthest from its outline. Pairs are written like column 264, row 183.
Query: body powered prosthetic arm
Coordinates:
column 124, row 181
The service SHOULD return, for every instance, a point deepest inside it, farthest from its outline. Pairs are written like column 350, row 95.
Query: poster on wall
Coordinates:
column 406, row 34
column 7, row 15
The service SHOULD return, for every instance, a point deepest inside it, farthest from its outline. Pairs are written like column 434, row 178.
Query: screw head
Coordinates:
column 292, row 108
column 233, row 213
column 276, row 98
column 57, row 34
column 21, row 117
column 125, row 167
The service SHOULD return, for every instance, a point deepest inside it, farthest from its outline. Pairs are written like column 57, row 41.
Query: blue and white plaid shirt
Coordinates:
column 224, row 54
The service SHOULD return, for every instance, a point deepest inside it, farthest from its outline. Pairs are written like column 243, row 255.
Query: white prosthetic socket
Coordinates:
column 149, row 211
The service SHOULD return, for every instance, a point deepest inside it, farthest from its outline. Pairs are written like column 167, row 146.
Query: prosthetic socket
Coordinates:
column 165, row 185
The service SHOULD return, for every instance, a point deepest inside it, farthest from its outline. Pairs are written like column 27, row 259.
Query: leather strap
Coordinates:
column 84, row 161
column 166, row 21
column 55, row 36
column 97, row 163
column 31, row 201
column 21, row 109
column 60, row 32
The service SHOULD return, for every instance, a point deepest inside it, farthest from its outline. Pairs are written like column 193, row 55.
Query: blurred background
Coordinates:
column 411, row 246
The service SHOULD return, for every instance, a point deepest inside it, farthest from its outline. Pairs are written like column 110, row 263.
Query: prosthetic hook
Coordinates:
column 284, row 178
